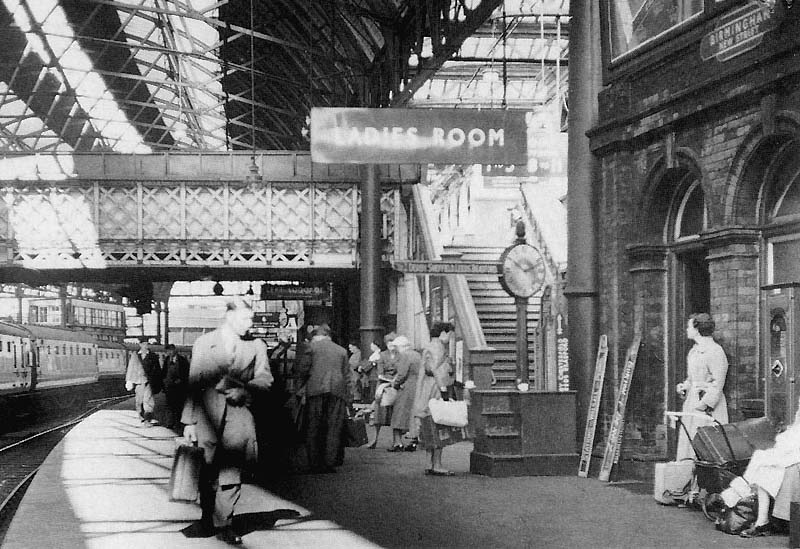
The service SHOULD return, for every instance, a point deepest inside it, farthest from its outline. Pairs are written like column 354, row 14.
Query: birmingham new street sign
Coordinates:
column 438, row 136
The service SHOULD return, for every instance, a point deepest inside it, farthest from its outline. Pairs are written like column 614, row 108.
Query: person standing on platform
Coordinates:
column 369, row 371
column 706, row 369
column 144, row 377
column 434, row 383
column 355, row 365
column 408, row 366
column 329, row 389
column 224, row 370
column 386, row 370
column 176, row 379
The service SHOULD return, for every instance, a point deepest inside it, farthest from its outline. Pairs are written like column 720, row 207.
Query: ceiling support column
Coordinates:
column 370, row 254
column 583, row 179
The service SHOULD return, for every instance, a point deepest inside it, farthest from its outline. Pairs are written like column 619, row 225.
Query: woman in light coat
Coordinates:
column 434, row 382
column 706, row 369
column 405, row 382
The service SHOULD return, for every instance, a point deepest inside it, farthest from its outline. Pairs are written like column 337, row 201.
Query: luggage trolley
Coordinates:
column 715, row 464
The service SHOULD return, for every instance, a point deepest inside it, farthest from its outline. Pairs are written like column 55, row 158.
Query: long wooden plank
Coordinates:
column 594, row 406
column 614, row 441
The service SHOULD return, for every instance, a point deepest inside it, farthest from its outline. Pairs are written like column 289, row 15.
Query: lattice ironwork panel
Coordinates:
column 247, row 254
column 388, row 214
column 161, row 212
column 205, row 212
column 342, row 247
column 125, row 252
column 333, row 211
column 248, row 213
column 205, row 253
column 291, row 212
column 118, row 212
column 161, row 252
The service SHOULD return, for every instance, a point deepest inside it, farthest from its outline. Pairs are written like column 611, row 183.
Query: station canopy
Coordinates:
column 137, row 76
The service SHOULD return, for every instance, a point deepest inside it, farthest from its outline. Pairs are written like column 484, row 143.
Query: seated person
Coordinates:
column 775, row 473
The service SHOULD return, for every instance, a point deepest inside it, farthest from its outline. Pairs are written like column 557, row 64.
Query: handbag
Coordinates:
column 388, row 396
column 185, row 476
column 739, row 517
column 355, row 434
column 452, row 413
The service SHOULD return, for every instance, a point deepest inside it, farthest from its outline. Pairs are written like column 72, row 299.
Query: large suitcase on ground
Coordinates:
column 671, row 480
column 185, row 477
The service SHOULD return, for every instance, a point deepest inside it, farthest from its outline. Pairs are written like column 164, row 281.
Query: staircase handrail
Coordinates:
column 537, row 237
column 457, row 284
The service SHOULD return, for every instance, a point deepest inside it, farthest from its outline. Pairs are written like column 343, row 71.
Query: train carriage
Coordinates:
column 16, row 375
column 63, row 357
column 112, row 360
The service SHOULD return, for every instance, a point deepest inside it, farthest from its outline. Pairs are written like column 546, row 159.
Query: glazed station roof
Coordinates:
column 159, row 75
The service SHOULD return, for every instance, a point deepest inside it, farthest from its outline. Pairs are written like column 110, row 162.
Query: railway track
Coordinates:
column 20, row 458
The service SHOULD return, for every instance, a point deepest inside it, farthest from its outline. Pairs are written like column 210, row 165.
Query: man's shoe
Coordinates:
column 227, row 535
column 757, row 531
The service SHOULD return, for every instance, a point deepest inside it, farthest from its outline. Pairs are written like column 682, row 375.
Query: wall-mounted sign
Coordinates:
column 291, row 292
column 737, row 32
column 446, row 267
column 443, row 136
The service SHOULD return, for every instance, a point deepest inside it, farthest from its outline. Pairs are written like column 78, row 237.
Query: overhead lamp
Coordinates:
column 253, row 176
column 413, row 60
column 218, row 289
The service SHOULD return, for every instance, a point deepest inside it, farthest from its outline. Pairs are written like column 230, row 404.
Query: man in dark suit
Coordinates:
column 224, row 371
column 329, row 389
column 144, row 376
column 176, row 379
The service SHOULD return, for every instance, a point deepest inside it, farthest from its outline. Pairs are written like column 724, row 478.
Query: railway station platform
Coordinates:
column 105, row 486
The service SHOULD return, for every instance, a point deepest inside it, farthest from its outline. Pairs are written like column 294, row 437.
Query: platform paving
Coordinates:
column 105, row 486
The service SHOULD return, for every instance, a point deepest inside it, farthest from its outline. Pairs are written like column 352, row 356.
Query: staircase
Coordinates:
column 497, row 314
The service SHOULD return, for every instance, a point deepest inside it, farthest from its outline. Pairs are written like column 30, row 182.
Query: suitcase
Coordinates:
column 671, row 480
column 355, row 432
column 722, row 444
column 185, row 477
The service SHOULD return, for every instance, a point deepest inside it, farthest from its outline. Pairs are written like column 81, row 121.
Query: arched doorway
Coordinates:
column 691, row 283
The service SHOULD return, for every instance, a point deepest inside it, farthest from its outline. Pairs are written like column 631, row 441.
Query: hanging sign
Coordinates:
column 737, row 32
column 444, row 136
column 446, row 267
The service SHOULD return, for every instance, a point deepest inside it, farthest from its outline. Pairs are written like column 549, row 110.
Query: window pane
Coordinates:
column 634, row 22
column 691, row 221
column 790, row 204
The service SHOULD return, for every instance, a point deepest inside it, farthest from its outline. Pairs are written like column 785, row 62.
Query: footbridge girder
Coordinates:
column 176, row 212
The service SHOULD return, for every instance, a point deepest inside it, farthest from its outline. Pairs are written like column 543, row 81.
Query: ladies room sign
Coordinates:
column 446, row 136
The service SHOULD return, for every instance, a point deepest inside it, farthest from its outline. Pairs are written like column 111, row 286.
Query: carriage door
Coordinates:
column 781, row 348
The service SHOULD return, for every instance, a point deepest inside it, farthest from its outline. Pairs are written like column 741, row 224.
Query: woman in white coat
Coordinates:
column 706, row 369
column 775, row 473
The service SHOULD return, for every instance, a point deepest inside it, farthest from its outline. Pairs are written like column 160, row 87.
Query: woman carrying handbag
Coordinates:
column 434, row 383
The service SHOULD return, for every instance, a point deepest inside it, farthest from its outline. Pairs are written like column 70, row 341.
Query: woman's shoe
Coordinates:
column 395, row 448
column 757, row 531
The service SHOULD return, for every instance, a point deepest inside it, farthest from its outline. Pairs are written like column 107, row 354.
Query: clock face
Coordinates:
column 522, row 270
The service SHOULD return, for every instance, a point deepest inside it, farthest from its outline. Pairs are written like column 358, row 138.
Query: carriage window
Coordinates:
column 635, row 22
column 8, row 346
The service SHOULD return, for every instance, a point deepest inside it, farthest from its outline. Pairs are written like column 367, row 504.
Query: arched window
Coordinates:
column 781, row 216
column 690, row 217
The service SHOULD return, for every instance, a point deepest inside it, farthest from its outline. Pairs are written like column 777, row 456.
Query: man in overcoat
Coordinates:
column 223, row 373
column 329, row 388
column 144, row 377
column 176, row 378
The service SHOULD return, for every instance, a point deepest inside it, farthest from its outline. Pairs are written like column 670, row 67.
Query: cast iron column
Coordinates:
column 370, row 254
column 522, row 340
column 583, row 178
